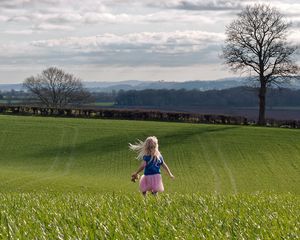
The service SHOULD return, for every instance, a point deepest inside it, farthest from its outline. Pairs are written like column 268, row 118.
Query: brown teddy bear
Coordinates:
column 135, row 177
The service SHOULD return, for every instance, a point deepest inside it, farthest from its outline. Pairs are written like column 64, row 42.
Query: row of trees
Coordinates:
column 233, row 97
column 256, row 44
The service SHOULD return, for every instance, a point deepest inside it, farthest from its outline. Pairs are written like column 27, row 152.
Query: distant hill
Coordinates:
column 188, row 85
column 9, row 87
column 141, row 85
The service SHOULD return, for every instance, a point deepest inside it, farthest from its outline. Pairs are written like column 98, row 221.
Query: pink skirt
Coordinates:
column 151, row 183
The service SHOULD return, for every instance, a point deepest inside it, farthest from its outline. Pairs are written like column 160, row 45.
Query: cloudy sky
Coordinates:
column 172, row 40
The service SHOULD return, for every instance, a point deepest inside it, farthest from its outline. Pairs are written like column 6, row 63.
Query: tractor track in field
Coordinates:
column 226, row 167
column 217, row 181
column 50, row 174
column 71, row 158
column 58, row 153
column 2, row 138
column 182, row 158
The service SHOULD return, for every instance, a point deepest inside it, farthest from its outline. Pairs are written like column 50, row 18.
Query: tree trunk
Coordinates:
column 262, row 105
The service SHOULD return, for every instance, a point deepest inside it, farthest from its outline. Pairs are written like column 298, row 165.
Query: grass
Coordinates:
column 178, row 216
column 102, row 104
column 70, row 179
column 76, row 154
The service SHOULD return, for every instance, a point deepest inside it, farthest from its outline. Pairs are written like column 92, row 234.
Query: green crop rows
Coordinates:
column 129, row 216
column 70, row 178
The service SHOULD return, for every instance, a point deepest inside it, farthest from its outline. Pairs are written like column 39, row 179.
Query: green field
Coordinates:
column 128, row 216
column 70, row 178
column 102, row 104
column 76, row 154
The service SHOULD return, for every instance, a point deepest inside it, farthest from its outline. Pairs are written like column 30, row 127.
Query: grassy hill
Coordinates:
column 70, row 179
column 92, row 155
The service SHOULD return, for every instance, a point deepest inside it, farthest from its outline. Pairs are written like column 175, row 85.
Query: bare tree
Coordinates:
column 257, row 42
column 55, row 88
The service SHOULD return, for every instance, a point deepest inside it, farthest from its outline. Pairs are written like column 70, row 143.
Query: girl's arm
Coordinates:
column 141, row 168
column 165, row 166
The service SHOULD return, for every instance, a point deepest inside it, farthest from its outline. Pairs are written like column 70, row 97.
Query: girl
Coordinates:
column 152, row 160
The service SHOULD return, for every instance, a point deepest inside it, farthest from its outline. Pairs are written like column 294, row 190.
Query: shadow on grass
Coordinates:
column 100, row 146
column 114, row 143
column 186, row 135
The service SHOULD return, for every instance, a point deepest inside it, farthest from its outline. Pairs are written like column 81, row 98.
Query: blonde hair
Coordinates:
column 144, row 148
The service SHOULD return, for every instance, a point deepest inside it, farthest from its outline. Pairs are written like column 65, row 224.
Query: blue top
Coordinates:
column 153, row 165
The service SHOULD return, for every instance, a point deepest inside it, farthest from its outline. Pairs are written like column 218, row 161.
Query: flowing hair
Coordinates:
column 144, row 148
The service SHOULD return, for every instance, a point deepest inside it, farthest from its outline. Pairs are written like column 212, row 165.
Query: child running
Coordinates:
column 152, row 160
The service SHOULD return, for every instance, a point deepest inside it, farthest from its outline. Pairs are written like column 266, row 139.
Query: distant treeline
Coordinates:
column 233, row 97
column 144, row 115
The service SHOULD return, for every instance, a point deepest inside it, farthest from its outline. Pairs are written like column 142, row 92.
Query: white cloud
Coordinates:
column 294, row 37
column 136, row 49
column 73, row 14
column 65, row 17
column 19, row 19
column 198, row 5
column 51, row 27
column 94, row 17
column 128, row 34
column 3, row 18
column 19, row 32
column 178, row 48
column 151, row 42
column 14, row 51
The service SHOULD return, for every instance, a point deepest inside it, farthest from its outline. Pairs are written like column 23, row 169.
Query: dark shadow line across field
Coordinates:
column 186, row 134
column 103, row 145
column 106, row 145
